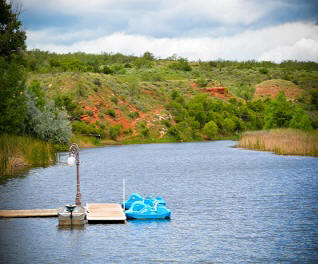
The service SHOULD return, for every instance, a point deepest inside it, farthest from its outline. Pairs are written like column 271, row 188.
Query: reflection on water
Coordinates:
column 228, row 205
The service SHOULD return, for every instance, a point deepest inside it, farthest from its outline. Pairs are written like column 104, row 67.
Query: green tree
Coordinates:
column 12, row 102
column 12, row 78
column 148, row 56
column 210, row 129
column 246, row 92
column 12, row 37
column 278, row 112
column 300, row 120
column 228, row 125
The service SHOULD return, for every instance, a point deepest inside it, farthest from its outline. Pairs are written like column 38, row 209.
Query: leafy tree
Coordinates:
column 278, row 112
column 148, row 56
column 314, row 98
column 210, row 129
column 300, row 120
column 246, row 92
column 228, row 125
column 12, row 98
column 12, row 37
column 46, row 123
column 65, row 101
column 114, row 132
column 181, row 65
column 37, row 93
column 202, row 81
column 12, row 78
column 177, row 110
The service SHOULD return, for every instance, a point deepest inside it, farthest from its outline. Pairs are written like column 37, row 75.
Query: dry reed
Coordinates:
column 282, row 141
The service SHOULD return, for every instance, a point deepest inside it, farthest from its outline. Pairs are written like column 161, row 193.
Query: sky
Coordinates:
column 271, row 30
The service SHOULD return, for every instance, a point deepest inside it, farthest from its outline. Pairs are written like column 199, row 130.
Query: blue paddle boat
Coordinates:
column 141, row 210
column 133, row 198
column 137, row 197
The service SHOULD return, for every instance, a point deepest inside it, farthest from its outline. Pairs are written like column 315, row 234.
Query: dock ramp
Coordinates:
column 104, row 213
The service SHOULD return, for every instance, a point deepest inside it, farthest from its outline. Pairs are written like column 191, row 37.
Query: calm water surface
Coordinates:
column 228, row 206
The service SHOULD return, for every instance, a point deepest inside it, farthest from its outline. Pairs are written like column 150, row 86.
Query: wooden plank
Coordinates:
column 105, row 213
column 28, row 213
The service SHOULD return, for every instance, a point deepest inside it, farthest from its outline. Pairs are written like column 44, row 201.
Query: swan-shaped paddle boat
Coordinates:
column 137, row 197
column 141, row 210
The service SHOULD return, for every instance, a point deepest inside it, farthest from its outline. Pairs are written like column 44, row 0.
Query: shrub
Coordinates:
column 202, row 81
column 114, row 131
column 181, row 65
column 133, row 115
column 263, row 70
column 228, row 125
column 101, row 116
column 12, row 98
column 48, row 123
column 210, row 129
column 111, row 113
column 114, row 99
column 128, row 131
column 300, row 120
column 89, row 112
column 97, row 82
column 107, row 70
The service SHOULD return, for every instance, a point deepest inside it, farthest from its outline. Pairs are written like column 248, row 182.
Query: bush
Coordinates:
column 114, row 99
column 106, row 70
column 300, row 120
column 97, row 82
column 12, row 98
column 48, row 123
column 228, row 125
column 180, row 65
column 90, row 113
column 111, row 113
column 202, row 81
column 133, row 115
column 101, row 116
column 263, row 70
column 114, row 131
column 210, row 129
column 65, row 101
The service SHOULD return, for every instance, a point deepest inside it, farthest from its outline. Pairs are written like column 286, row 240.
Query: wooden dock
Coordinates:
column 28, row 213
column 104, row 213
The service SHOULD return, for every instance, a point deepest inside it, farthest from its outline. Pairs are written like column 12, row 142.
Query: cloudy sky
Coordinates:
column 273, row 30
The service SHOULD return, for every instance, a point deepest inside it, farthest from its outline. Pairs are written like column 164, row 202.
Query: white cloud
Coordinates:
column 297, row 41
column 226, row 11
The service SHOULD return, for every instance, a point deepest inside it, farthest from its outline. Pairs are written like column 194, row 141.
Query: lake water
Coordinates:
column 228, row 205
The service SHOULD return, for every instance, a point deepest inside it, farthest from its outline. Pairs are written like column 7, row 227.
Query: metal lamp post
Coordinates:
column 74, row 155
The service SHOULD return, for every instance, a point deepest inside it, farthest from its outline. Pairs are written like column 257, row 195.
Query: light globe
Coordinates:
column 70, row 161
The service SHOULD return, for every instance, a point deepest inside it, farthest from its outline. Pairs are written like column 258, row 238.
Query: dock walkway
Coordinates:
column 28, row 213
column 104, row 212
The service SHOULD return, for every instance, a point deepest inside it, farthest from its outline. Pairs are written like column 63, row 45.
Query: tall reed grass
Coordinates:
column 282, row 141
column 19, row 151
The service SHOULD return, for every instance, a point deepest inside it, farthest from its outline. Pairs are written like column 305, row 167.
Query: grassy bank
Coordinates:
column 19, row 151
column 282, row 141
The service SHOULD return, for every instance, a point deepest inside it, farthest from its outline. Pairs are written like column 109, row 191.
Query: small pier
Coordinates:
column 104, row 213
column 94, row 213
column 28, row 213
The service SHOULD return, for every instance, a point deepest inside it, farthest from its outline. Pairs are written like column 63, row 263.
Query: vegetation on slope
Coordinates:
column 173, row 100
column 113, row 98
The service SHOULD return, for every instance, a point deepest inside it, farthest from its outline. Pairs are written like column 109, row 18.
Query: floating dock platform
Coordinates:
column 95, row 213
column 28, row 213
column 104, row 213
